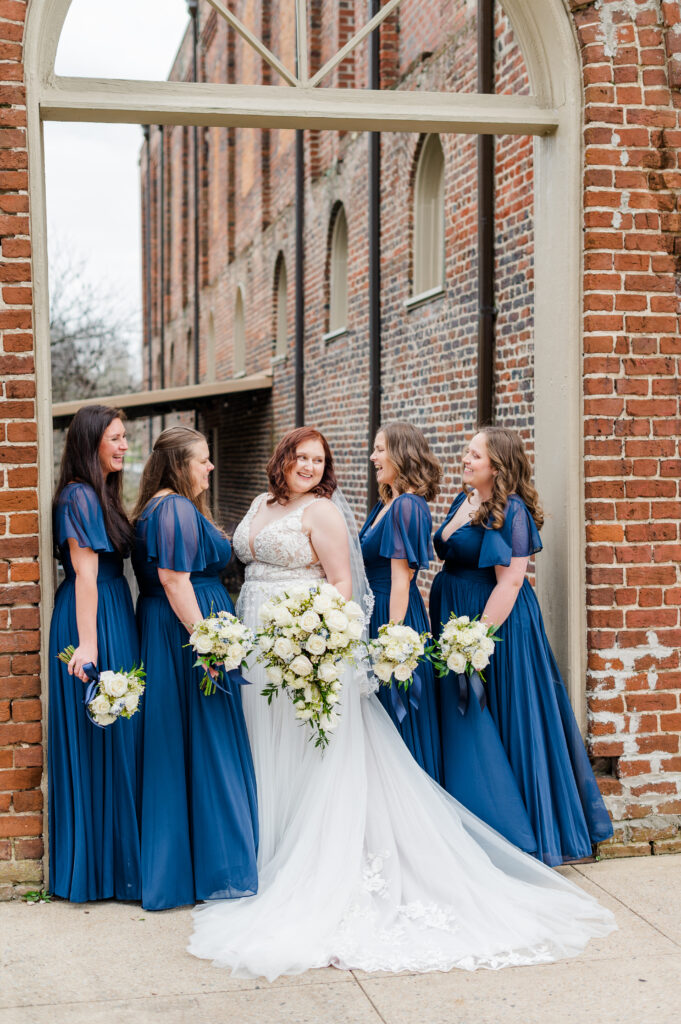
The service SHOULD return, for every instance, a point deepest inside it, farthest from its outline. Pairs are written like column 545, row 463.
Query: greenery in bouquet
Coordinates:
column 111, row 695
column 307, row 634
column 220, row 641
column 396, row 652
column 464, row 646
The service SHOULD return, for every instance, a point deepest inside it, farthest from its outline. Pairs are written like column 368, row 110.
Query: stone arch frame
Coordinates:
column 546, row 37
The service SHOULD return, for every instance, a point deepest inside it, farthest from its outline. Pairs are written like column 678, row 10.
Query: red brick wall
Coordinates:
column 21, row 755
column 632, row 243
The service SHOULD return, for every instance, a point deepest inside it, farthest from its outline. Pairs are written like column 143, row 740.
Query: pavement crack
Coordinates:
column 621, row 902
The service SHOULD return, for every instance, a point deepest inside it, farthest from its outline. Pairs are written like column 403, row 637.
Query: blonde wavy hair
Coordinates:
column 418, row 471
column 167, row 468
column 507, row 455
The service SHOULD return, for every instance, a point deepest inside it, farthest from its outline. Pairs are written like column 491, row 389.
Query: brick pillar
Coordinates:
column 21, row 755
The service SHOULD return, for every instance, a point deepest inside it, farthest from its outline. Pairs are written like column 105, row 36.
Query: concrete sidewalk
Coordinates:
column 111, row 962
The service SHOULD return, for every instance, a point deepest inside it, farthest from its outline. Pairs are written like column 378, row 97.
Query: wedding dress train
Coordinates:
column 364, row 861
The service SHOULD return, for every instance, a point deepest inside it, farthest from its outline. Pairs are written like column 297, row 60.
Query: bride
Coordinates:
column 364, row 862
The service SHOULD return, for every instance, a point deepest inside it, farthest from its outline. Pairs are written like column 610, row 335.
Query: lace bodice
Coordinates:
column 282, row 548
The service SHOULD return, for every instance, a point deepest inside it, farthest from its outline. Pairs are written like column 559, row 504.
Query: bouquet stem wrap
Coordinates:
column 466, row 684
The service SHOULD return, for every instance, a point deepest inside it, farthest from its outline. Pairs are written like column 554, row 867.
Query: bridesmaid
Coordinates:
column 396, row 543
column 199, row 814
column 94, row 840
column 490, row 533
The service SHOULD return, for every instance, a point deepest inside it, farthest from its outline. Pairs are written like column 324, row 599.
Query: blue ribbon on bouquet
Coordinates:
column 466, row 684
column 92, row 672
column 240, row 681
column 398, row 697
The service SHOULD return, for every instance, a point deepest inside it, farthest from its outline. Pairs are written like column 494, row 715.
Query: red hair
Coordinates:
column 285, row 456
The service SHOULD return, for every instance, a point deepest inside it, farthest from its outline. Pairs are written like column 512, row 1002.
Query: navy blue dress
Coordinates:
column 527, row 701
column 94, row 838
column 404, row 532
column 199, row 820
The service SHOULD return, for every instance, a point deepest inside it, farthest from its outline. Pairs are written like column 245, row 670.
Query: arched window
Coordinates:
column 338, row 274
column 429, row 218
column 239, row 333
column 281, row 321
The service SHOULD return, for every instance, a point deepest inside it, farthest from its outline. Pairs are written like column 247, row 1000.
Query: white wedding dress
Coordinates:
column 364, row 862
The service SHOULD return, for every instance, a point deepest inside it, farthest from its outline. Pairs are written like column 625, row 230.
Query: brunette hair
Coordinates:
column 285, row 456
column 417, row 468
column 508, row 457
column 167, row 468
column 80, row 464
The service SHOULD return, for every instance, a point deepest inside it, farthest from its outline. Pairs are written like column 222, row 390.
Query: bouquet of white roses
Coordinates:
column 396, row 652
column 109, row 695
column 307, row 633
column 465, row 647
column 220, row 639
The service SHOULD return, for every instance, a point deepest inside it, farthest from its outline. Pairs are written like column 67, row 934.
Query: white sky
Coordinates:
column 93, row 193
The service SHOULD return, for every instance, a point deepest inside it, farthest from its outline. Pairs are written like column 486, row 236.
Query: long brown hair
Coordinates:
column 507, row 455
column 417, row 468
column 80, row 464
column 167, row 468
column 285, row 456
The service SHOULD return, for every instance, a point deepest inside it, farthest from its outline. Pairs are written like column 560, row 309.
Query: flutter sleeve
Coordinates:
column 407, row 532
column 79, row 515
column 517, row 538
column 178, row 538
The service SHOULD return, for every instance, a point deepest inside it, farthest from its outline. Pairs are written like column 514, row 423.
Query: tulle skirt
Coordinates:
column 366, row 863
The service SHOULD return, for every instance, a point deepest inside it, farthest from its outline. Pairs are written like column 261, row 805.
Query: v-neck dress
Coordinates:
column 199, row 820
column 527, row 701
column 404, row 532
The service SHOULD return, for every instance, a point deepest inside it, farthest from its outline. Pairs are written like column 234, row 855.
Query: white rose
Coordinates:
column 118, row 685
column 383, row 670
column 201, row 643
column 265, row 610
column 104, row 719
column 487, row 645
column 355, row 628
column 283, row 648
column 353, row 610
column 309, row 620
column 329, row 590
column 131, row 702
column 265, row 643
column 402, row 672
column 282, row 616
column 301, row 665
column 235, row 653
column 316, row 644
column 100, row 705
column 335, row 620
column 274, row 674
column 479, row 660
column 327, row 672
column 462, row 620
column 456, row 662
column 332, row 698
column 322, row 603
column 304, row 715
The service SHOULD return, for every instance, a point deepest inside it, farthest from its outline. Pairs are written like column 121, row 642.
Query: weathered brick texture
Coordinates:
column 632, row 221
column 21, row 759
